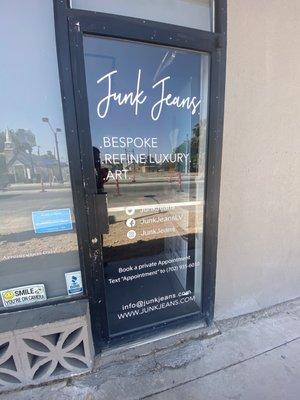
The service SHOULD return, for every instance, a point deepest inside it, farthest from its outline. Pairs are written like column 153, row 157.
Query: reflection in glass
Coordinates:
column 34, row 170
column 196, row 14
column 148, row 119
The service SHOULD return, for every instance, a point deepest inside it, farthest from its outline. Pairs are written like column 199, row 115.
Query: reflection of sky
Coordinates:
column 174, row 125
column 29, row 81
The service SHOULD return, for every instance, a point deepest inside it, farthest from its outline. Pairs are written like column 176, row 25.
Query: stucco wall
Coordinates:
column 259, row 222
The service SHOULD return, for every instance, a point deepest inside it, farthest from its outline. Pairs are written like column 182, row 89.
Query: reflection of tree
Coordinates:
column 194, row 146
column 49, row 155
column 116, row 167
column 23, row 140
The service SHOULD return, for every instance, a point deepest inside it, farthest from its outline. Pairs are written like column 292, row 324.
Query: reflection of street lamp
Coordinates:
column 55, row 132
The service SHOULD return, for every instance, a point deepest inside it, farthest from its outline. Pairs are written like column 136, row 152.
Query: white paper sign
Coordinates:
column 23, row 295
column 74, row 282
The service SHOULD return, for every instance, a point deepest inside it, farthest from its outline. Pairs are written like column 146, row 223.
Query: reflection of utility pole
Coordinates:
column 186, row 152
column 32, row 166
column 148, row 159
column 133, row 180
column 55, row 132
column 126, row 156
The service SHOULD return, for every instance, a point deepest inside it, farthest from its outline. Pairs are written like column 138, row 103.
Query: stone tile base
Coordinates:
column 46, row 352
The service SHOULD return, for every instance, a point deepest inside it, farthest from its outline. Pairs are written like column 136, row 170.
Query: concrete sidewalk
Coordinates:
column 251, row 357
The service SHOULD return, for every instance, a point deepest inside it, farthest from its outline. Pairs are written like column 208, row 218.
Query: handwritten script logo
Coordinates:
column 137, row 97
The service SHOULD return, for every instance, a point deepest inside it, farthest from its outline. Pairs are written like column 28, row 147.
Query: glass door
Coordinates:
column 142, row 91
column 148, row 109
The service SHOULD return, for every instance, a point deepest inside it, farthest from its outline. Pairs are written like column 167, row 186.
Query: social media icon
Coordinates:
column 129, row 210
column 131, row 234
column 130, row 222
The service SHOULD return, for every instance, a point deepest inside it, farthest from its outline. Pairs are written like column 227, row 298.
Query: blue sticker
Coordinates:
column 74, row 282
column 52, row 220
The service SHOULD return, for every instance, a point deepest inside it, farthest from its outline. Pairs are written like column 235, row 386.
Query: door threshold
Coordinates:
column 168, row 336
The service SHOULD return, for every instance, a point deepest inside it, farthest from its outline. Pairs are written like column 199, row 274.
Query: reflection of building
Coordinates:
column 26, row 167
column 150, row 168
column 23, row 166
column 8, row 146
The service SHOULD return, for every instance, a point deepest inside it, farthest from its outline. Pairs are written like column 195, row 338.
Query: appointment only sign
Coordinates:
column 23, row 295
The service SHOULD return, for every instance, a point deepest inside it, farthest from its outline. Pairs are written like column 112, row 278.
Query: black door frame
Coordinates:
column 70, row 25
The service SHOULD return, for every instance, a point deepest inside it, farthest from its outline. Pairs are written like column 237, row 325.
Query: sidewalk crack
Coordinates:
column 221, row 369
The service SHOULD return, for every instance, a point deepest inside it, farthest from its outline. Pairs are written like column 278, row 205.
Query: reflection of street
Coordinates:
column 22, row 200
column 26, row 257
column 152, row 225
column 141, row 193
column 16, row 207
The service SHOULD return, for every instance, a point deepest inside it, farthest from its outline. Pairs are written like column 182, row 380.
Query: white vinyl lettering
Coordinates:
column 137, row 97
column 170, row 100
column 134, row 98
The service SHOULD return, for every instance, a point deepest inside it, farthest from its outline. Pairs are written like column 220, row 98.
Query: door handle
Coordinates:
column 101, row 211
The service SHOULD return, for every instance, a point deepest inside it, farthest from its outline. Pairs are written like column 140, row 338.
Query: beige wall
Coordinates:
column 259, row 224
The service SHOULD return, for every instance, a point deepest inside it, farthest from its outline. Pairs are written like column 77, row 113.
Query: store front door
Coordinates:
column 142, row 115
